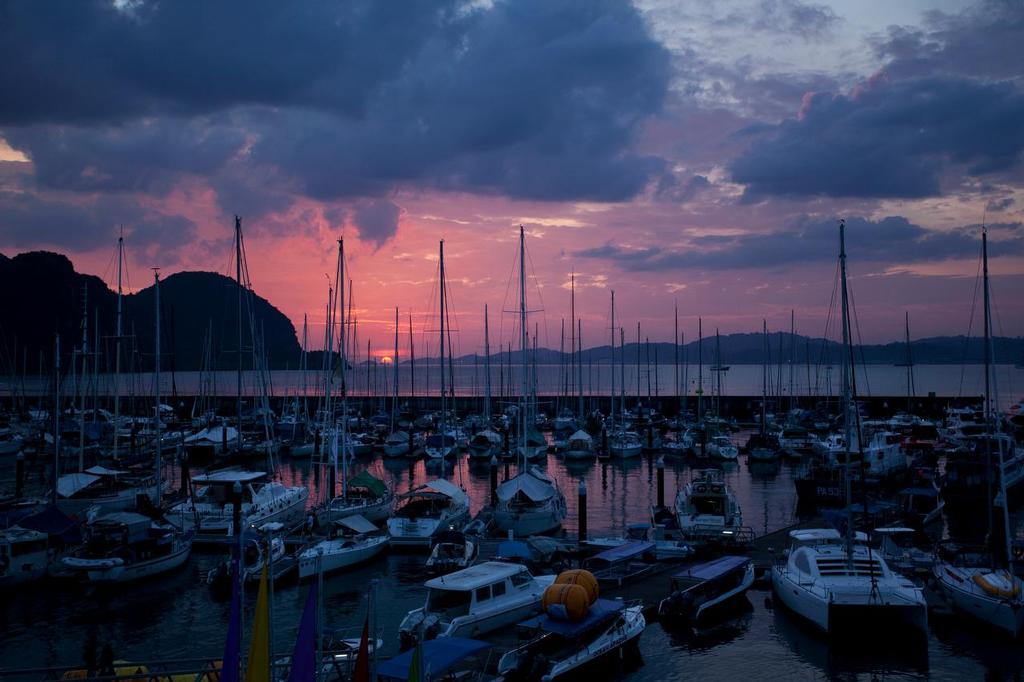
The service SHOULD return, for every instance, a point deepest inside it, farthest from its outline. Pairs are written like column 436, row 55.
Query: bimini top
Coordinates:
column 229, row 476
column 711, row 570
column 367, row 480
column 358, row 523
column 601, row 611
column 70, row 484
column 624, row 552
column 581, row 435
column 104, row 471
column 528, row 484
column 436, row 655
column 815, row 535
column 442, row 487
column 475, row 576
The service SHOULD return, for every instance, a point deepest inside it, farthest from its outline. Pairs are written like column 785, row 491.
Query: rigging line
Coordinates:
column 860, row 340
column 970, row 325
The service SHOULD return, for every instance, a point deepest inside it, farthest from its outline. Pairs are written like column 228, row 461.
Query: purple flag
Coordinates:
column 304, row 656
column 231, row 670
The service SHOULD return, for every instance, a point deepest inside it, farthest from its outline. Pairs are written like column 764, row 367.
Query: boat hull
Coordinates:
column 312, row 562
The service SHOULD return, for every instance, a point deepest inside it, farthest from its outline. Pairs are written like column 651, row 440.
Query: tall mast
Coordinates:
column 675, row 346
column 523, row 340
column 444, row 416
column 622, row 370
column 847, row 430
column 700, row 371
column 792, row 355
column 412, row 367
column 344, row 389
column 487, row 367
column 158, row 425
column 238, row 281
column 579, row 364
column 117, row 346
column 636, row 367
column 56, row 419
column 394, row 391
column 764, row 378
column 613, row 356
column 910, row 365
column 572, row 332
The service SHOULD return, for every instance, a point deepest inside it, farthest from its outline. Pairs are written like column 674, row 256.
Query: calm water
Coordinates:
column 175, row 616
column 879, row 380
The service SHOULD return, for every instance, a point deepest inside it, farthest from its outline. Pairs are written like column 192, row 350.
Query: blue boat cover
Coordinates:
column 438, row 656
column 52, row 521
column 623, row 552
column 599, row 612
column 924, row 492
column 514, row 549
column 709, row 570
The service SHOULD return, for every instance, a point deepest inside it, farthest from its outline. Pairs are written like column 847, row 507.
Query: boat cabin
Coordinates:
column 217, row 488
column 463, row 592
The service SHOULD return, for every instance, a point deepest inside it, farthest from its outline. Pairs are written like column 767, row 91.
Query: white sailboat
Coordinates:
column 427, row 510
column 358, row 542
column 832, row 583
column 974, row 583
column 529, row 503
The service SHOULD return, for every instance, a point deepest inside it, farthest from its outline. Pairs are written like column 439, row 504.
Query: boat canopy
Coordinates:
column 229, row 476
column 52, row 521
column 527, row 485
column 440, row 486
column 711, row 570
column 104, row 471
column 436, row 655
column 213, row 434
column 581, row 435
column 601, row 611
column 624, row 552
column 514, row 549
column 70, row 484
column 365, row 479
column 358, row 523
column 476, row 576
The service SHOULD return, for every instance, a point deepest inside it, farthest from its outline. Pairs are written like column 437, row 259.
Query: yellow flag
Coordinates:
column 258, row 669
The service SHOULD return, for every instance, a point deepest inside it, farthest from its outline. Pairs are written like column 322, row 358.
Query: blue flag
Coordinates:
column 304, row 656
column 231, row 669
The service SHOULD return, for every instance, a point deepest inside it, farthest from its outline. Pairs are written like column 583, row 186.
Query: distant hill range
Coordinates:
column 41, row 295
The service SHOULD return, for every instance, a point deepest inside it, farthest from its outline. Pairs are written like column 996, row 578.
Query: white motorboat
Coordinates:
column 579, row 446
column 562, row 647
column 485, row 444
column 397, row 444
column 125, row 546
column 360, row 541
column 426, row 510
column 452, row 551
column 24, row 555
column 625, row 444
column 365, row 495
column 475, row 601
column 833, row 587
column 720, row 447
column 701, row 589
column 529, row 504
column 706, row 508
column 209, row 509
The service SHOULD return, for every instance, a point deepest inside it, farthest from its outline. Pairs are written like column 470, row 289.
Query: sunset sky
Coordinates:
column 677, row 152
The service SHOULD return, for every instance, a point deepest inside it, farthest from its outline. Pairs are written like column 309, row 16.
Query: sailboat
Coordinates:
column 530, row 502
column 763, row 446
column 835, row 583
column 973, row 582
column 397, row 442
column 445, row 441
column 486, row 443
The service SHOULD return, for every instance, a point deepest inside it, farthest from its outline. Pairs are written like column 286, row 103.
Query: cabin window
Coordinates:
column 483, row 594
column 497, row 589
column 520, row 579
column 449, row 602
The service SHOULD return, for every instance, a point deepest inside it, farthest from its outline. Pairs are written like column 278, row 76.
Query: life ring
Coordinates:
column 988, row 583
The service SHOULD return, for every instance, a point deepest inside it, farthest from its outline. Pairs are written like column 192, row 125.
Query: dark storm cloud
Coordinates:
column 890, row 240
column 889, row 139
column 28, row 220
column 336, row 101
column 377, row 221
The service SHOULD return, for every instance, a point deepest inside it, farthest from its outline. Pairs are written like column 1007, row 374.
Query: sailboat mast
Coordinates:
column 117, row 347
column 487, row 367
column 910, row 365
column 344, row 392
column 792, row 356
column 523, row 340
column 572, row 333
column 157, row 425
column 412, row 367
column 238, row 281
column 613, row 356
column 847, row 430
column 579, row 364
column 700, row 371
column 394, row 391
column 444, row 417
column 764, row 378
column 675, row 346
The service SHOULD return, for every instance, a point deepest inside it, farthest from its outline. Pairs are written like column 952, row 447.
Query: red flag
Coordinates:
column 362, row 669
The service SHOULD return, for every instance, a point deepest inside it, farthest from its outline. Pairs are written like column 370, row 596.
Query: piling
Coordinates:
column 19, row 475
column 494, row 481
column 316, row 445
column 133, row 441
column 505, row 452
column 412, row 443
column 604, row 440
column 186, row 473
column 236, row 511
column 224, row 438
column 332, row 483
column 661, row 481
column 582, row 504
column 650, row 436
